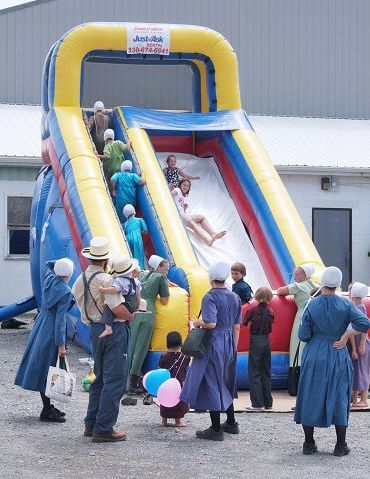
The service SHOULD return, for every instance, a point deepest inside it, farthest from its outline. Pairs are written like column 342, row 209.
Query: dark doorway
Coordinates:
column 332, row 236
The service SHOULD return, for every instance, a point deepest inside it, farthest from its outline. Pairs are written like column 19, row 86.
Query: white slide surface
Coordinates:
column 210, row 197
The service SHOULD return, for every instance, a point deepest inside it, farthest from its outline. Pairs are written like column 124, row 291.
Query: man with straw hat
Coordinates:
column 110, row 354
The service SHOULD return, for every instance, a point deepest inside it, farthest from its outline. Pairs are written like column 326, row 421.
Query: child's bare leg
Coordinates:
column 202, row 220
column 363, row 401
column 198, row 231
column 107, row 331
column 164, row 422
column 179, row 423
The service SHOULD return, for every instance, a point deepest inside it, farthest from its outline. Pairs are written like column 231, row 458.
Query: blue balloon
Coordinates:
column 155, row 378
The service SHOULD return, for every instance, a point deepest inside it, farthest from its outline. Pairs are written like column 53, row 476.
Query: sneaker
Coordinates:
column 210, row 434
column 51, row 415
column 341, row 450
column 255, row 409
column 230, row 428
column 309, row 448
column 115, row 436
column 61, row 413
column 148, row 400
column 129, row 401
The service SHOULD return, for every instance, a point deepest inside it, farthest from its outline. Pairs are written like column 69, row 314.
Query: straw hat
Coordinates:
column 98, row 250
column 124, row 265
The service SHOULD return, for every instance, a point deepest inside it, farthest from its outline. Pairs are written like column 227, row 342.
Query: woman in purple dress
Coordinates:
column 176, row 363
column 360, row 352
column 211, row 382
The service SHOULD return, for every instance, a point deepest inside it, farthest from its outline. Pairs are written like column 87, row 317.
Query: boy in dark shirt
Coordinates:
column 260, row 318
column 240, row 287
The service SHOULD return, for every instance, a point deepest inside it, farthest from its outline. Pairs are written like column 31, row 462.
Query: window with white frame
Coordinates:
column 18, row 222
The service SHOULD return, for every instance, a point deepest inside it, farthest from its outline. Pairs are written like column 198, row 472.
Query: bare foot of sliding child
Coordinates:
column 216, row 236
column 107, row 332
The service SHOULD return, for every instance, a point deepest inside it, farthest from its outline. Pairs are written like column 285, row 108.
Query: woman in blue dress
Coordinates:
column 324, row 390
column 134, row 228
column 211, row 382
column 48, row 336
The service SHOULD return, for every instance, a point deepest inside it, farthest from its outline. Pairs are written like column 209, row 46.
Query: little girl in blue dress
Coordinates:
column 134, row 227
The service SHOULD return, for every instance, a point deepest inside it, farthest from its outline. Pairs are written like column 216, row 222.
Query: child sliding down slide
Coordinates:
column 197, row 223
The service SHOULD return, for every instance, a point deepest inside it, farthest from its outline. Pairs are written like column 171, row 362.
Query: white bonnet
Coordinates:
column 108, row 134
column 126, row 165
column 359, row 290
column 128, row 210
column 64, row 267
column 154, row 261
column 308, row 269
column 219, row 271
column 332, row 277
column 98, row 106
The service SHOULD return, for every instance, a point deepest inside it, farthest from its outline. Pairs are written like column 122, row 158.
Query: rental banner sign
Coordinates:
column 148, row 39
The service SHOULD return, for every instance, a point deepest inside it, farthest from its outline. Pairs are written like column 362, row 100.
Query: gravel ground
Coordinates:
column 269, row 444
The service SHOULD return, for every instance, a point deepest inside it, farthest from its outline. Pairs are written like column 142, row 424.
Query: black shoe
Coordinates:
column 309, row 448
column 341, row 450
column 148, row 400
column 129, row 401
column 210, row 434
column 230, row 428
column 61, row 413
column 50, row 415
column 12, row 323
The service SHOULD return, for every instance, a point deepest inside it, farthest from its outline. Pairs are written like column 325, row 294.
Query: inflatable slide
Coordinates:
column 239, row 190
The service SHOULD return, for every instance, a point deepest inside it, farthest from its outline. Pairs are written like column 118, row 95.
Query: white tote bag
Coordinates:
column 60, row 384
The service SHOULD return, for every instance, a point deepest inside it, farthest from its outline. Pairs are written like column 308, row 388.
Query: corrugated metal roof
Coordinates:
column 315, row 142
column 20, row 131
column 304, row 142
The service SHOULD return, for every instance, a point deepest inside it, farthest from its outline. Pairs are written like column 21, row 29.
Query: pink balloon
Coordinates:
column 169, row 393
column 144, row 378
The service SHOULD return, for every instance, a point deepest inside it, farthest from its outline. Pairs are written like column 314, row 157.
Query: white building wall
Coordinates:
column 15, row 273
column 351, row 192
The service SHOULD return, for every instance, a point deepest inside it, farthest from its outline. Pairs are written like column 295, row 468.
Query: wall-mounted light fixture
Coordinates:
column 325, row 183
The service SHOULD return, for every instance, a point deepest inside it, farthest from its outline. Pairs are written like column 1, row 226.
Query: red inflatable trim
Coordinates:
column 284, row 309
column 176, row 143
column 49, row 149
column 212, row 148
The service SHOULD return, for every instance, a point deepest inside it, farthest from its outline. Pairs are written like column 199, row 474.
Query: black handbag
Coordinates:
column 294, row 373
column 196, row 342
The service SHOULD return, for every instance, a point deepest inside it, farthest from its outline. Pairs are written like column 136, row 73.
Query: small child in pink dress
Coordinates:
column 176, row 363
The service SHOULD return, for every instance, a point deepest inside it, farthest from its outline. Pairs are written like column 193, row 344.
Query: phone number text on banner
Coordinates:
column 148, row 39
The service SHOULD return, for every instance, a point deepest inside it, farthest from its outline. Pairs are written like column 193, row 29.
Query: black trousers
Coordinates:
column 259, row 371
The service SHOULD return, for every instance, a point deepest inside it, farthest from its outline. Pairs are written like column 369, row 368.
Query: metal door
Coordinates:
column 332, row 236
